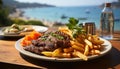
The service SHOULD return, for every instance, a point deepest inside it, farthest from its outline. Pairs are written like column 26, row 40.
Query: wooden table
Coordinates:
column 11, row 58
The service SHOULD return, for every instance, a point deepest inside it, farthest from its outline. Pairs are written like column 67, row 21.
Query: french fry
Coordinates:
column 98, row 47
column 97, row 42
column 86, row 52
column 76, row 43
column 74, row 54
column 88, row 43
column 66, row 30
column 95, row 52
column 80, row 55
column 57, row 52
column 78, row 48
column 66, row 55
column 47, row 53
column 95, row 37
column 68, row 50
column 90, row 38
column 81, row 39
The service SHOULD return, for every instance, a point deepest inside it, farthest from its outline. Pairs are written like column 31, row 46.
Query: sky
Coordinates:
column 69, row 2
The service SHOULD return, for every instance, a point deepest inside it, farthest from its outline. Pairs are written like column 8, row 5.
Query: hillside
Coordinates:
column 16, row 4
column 114, row 4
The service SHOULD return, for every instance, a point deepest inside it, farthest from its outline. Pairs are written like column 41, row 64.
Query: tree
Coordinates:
column 4, row 12
column 1, row 4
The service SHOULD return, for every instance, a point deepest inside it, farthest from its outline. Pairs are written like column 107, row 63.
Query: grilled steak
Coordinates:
column 49, row 42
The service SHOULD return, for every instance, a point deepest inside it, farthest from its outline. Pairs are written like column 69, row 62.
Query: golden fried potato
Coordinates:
column 97, row 42
column 89, row 43
column 86, row 52
column 76, row 43
column 57, row 52
column 66, row 55
column 95, row 52
column 98, row 47
column 80, row 55
column 65, row 30
column 81, row 39
column 47, row 53
column 68, row 50
column 78, row 48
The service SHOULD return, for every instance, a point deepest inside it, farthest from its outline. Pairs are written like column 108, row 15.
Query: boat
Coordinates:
column 87, row 11
column 63, row 17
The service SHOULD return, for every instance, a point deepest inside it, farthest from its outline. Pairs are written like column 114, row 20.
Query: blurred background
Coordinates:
column 54, row 12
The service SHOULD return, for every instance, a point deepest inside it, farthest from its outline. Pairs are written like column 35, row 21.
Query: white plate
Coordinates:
column 40, row 28
column 107, row 44
column 35, row 27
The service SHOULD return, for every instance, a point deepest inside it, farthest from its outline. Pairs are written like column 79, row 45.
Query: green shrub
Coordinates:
column 19, row 21
column 29, row 22
column 34, row 22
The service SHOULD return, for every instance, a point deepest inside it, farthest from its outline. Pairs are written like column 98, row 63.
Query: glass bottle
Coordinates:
column 107, row 22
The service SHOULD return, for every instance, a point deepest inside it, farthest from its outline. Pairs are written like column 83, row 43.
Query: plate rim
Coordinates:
column 37, row 56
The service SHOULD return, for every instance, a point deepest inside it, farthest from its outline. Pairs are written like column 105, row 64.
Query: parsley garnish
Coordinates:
column 75, row 27
column 57, row 36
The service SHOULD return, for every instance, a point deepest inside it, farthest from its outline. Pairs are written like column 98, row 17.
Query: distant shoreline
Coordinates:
column 19, row 14
column 114, row 5
column 17, row 4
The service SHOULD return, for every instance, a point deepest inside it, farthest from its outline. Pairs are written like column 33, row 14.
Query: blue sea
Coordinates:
column 85, row 13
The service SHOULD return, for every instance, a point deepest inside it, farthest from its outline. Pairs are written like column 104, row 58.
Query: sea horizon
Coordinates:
column 62, row 14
